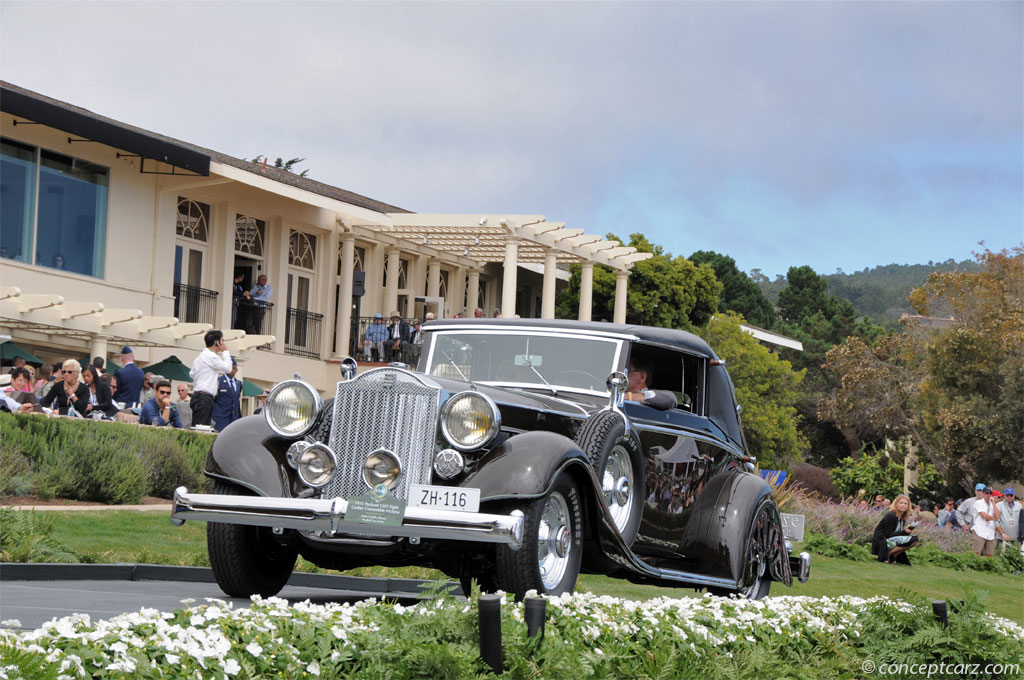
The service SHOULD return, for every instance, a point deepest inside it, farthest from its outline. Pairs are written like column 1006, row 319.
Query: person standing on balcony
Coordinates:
column 259, row 296
column 227, row 406
column 211, row 361
column 129, row 379
column 238, row 295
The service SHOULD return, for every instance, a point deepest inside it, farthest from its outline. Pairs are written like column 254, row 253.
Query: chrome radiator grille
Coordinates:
column 384, row 408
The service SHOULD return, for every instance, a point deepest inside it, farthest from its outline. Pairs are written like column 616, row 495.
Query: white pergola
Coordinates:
column 99, row 326
column 511, row 240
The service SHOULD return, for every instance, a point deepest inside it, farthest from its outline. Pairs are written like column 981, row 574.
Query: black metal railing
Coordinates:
column 193, row 304
column 253, row 317
column 302, row 333
column 361, row 352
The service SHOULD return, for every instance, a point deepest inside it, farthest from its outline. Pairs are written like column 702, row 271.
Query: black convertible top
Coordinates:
column 660, row 336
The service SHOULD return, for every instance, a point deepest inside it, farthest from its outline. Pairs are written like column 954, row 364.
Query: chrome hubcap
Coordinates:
column 554, row 540
column 617, row 486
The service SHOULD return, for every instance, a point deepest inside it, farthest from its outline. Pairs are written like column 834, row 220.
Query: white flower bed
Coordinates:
column 215, row 640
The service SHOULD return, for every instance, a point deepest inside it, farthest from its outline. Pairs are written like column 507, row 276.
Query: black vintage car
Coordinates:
column 510, row 457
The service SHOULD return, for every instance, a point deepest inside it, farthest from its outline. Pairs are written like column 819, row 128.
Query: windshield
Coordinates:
column 527, row 359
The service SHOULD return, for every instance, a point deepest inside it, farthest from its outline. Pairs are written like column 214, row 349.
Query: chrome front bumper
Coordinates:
column 328, row 515
column 800, row 565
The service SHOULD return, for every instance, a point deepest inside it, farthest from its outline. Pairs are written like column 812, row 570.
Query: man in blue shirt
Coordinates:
column 159, row 410
column 374, row 338
column 227, row 406
column 129, row 379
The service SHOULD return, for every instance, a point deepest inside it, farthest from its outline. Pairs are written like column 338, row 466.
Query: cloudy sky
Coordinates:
column 835, row 134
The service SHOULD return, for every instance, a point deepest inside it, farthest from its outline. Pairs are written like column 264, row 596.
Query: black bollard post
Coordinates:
column 941, row 612
column 489, row 608
column 536, row 612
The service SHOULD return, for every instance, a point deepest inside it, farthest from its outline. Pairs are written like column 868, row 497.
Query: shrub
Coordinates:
column 102, row 462
column 875, row 473
column 167, row 465
column 815, row 479
column 830, row 547
column 16, row 475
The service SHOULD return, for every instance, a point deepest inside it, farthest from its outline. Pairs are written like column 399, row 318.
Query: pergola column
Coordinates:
column 343, row 328
column 587, row 291
column 434, row 282
column 391, row 289
column 547, row 300
column 473, row 291
column 508, row 282
column 98, row 347
column 620, row 296
column 456, row 290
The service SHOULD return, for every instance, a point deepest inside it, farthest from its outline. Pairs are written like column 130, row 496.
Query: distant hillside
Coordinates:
column 881, row 292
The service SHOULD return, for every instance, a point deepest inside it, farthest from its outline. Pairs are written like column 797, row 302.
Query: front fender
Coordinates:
column 250, row 454
column 524, row 466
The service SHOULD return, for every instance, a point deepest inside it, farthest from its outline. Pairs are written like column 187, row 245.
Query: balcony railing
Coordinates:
column 193, row 304
column 302, row 333
column 253, row 317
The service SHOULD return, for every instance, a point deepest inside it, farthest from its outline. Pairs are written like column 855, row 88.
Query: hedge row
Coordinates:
column 96, row 461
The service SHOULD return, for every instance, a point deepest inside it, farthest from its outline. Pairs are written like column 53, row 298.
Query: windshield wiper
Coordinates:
column 455, row 365
column 529, row 364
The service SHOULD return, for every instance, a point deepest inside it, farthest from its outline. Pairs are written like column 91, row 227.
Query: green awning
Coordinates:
column 171, row 368
column 8, row 351
column 250, row 389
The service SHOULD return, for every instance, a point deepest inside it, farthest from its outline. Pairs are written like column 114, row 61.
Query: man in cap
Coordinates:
column 1008, row 529
column 398, row 332
column 983, row 531
column 263, row 402
column 375, row 337
column 129, row 379
column 966, row 512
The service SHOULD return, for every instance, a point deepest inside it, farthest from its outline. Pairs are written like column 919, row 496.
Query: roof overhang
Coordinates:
column 88, row 126
column 772, row 338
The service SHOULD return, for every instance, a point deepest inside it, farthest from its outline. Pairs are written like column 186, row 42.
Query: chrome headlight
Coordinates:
column 470, row 420
column 382, row 467
column 292, row 408
column 316, row 465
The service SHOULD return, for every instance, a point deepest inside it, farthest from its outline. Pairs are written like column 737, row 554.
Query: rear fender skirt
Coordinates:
column 250, row 454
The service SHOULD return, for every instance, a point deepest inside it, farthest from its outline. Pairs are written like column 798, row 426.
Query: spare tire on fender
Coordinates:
column 619, row 464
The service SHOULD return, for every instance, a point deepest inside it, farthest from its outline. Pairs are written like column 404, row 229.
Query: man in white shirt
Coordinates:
column 213, row 360
column 983, row 539
column 1008, row 527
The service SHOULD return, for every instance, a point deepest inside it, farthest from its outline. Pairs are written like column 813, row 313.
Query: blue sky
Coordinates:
column 835, row 134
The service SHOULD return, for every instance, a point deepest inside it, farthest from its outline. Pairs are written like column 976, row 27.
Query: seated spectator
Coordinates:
column 892, row 537
column 148, row 389
column 69, row 394
column 21, row 381
column 100, row 396
column 374, row 337
column 184, row 406
column 43, row 377
column 7, row 403
column 159, row 410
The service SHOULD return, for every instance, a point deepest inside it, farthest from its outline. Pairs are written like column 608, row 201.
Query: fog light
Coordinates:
column 382, row 467
column 448, row 463
column 316, row 465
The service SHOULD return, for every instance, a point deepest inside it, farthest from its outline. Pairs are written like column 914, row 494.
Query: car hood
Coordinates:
column 568, row 403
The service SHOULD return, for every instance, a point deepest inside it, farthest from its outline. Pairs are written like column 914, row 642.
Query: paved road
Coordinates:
column 35, row 593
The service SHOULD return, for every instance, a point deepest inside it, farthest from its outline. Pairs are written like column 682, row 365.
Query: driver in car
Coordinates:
column 640, row 374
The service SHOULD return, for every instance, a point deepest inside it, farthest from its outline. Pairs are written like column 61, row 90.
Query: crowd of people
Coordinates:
column 69, row 389
column 398, row 339
column 994, row 519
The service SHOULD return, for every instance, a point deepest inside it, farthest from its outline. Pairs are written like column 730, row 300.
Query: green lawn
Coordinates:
column 149, row 537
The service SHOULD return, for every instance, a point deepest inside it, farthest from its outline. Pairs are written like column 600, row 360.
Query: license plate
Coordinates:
column 445, row 497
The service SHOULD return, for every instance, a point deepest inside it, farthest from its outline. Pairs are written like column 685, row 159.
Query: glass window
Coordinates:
column 72, row 223
column 193, row 219
column 249, row 235
column 59, row 220
column 17, row 199
column 301, row 250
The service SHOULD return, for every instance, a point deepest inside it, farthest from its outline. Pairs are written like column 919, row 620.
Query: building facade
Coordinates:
column 112, row 235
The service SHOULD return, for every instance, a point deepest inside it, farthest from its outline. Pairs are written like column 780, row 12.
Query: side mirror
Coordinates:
column 348, row 368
